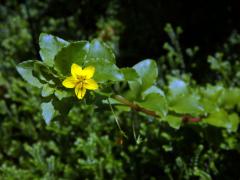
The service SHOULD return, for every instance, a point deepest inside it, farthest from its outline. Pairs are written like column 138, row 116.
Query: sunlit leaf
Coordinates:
column 48, row 111
column 49, row 46
column 25, row 69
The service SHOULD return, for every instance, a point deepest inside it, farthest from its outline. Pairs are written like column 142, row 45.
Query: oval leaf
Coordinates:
column 49, row 46
column 48, row 111
column 73, row 53
column 147, row 71
column 25, row 69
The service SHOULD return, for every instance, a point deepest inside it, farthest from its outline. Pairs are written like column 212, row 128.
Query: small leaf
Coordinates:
column 100, row 50
column 49, row 46
column 234, row 122
column 60, row 94
column 153, row 89
column 147, row 71
column 25, row 69
column 43, row 73
column 230, row 97
column 174, row 121
column 48, row 111
column 156, row 103
column 47, row 90
column 129, row 74
column 75, row 52
column 177, row 87
column 212, row 92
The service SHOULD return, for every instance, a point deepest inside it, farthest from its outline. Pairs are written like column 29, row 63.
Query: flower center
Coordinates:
column 81, row 81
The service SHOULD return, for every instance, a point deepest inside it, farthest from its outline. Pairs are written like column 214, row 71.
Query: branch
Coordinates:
column 134, row 106
column 185, row 118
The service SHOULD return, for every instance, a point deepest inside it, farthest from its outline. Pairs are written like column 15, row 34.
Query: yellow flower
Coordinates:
column 81, row 80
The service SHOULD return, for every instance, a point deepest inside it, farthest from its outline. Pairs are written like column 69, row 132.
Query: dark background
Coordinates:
column 206, row 24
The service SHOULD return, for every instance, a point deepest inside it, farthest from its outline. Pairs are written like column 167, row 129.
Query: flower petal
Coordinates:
column 90, row 84
column 88, row 72
column 76, row 70
column 69, row 82
column 80, row 91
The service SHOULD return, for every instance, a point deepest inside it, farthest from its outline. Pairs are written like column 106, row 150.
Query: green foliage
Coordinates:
column 49, row 47
column 190, row 129
column 26, row 70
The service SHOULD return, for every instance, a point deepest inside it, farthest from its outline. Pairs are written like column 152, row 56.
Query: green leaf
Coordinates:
column 60, row 94
column 105, row 71
column 174, row 121
column 212, row 92
column 49, row 46
column 208, row 105
column 43, row 73
column 202, row 174
column 25, row 69
column 129, row 74
column 75, row 52
column 230, row 97
column 153, row 89
column 100, row 50
column 147, row 71
column 155, row 102
column 47, row 90
column 220, row 118
column 234, row 122
column 48, row 111
column 186, row 104
column 135, row 91
column 177, row 87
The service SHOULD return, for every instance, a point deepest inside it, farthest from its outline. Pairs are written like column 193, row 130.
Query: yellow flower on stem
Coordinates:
column 81, row 80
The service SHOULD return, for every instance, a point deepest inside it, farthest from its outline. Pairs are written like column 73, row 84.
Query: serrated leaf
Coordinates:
column 148, row 72
column 155, row 102
column 75, row 52
column 25, row 69
column 130, row 74
column 48, row 111
column 100, row 50
column 49, row 46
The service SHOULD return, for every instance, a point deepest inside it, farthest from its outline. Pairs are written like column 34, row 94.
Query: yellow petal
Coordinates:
column 88, row 72
column 80, row 91
column 69, row 82
column 76, row 70
column 90, row 84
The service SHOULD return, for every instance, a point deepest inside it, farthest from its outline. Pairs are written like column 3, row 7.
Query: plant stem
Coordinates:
column 134, row 106
column 121, row 99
